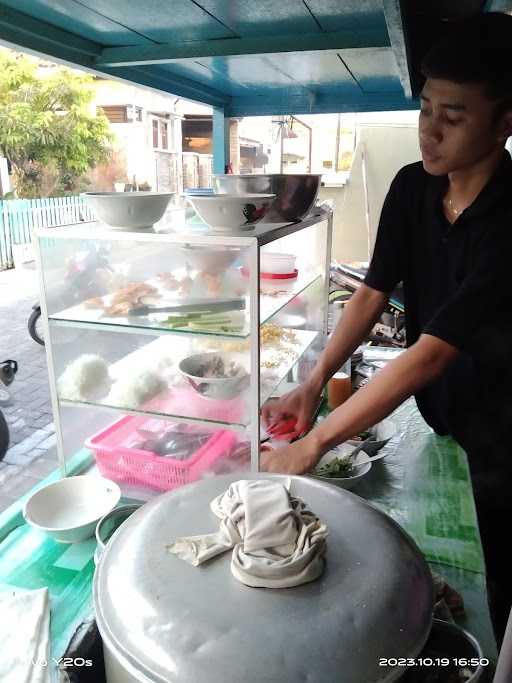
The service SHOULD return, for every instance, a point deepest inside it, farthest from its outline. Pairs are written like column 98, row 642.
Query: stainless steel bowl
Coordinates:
column 295, row 193
column 447, row 641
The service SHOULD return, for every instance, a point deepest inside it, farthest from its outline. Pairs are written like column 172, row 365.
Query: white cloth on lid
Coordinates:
column 24, row 636
column 277, row 542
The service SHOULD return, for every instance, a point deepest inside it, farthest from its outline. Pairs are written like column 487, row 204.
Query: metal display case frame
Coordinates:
column 260, row 235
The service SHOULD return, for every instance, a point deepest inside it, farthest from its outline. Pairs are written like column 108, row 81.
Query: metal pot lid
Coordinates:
column 169, row 621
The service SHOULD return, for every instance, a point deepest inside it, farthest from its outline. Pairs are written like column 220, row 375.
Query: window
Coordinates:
column 138, row 113
column 163, row 128
column 115, row 114
column 155, row 133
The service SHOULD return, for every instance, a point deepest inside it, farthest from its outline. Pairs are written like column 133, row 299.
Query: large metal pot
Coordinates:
column 163, row 620
column 295, row 193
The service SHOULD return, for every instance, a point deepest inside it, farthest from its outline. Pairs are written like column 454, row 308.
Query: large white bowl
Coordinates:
column 232, row 212
column 69, row 509
column 210, row 258
column 129, row 210
column 222, row 388
column 345, row 482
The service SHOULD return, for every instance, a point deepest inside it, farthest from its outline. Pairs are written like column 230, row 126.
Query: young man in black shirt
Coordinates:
column 446, row 232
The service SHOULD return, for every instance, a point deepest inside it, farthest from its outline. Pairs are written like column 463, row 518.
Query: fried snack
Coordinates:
column 97, row 302
column 129, row 298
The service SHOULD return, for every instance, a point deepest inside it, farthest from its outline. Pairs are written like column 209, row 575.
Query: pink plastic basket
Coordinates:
column 118, row 460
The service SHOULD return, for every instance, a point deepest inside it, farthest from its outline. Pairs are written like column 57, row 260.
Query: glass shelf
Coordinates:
column 81, row 316
column 181, row 401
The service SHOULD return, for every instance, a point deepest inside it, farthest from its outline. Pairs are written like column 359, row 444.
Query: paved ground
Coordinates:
column 32, row 454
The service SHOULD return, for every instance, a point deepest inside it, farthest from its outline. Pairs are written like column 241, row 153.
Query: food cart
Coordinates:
column 243, row 59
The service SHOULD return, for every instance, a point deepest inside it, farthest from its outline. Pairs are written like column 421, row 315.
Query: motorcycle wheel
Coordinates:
column 34, row 326
column 4, row 436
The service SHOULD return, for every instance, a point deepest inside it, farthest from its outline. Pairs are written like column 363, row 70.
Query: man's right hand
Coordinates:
column 294, row 410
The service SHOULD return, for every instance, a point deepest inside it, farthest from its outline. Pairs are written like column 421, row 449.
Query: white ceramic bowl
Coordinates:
column 231, row 212
column 129, row 210
column 212, row 259
column 345, row 482
column 222, row 388
column 271, row 262
column 383, row 431
column 69, row 509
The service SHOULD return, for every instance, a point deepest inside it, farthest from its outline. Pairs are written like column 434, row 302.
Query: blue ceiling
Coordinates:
column 248, row 57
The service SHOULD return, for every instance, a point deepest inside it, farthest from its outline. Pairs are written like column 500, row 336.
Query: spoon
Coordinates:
column 360, row 448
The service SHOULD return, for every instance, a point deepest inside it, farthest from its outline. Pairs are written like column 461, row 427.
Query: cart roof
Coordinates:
column 248, row 56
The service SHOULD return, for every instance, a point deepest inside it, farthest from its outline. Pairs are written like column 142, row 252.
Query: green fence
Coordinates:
column 18, row 217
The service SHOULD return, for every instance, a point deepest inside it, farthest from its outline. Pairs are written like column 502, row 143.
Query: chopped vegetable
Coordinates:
column 338, row 467
column 208, row 322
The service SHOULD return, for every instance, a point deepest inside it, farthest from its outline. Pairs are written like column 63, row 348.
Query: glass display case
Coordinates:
column 163, row 346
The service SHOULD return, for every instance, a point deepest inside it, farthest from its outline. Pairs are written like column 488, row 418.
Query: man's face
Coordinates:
column 457, row 126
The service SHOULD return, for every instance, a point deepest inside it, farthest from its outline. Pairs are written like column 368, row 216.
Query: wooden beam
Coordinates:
column 397, row 36
column 308, row 42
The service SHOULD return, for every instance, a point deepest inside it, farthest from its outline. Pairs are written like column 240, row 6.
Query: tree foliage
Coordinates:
column 48, row 129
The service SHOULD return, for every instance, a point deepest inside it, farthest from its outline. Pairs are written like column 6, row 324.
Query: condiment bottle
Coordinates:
column 339, row 387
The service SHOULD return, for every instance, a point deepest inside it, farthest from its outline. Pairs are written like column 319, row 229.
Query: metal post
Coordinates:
column 220, row 141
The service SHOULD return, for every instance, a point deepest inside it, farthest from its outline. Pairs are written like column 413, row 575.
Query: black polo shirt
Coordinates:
column 458, row 287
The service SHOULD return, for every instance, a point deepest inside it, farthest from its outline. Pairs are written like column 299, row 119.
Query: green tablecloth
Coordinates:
column 423, row 483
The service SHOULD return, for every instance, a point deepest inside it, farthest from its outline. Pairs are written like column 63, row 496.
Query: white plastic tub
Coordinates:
column 275, row 263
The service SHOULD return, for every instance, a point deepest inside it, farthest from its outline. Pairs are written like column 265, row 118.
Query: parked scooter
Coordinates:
column 81, row 281
column 8, row 368
column 35, row 328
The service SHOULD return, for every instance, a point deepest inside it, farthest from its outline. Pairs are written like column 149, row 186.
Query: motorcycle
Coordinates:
column 35, row 328
column 80, row 282
column 8, row 368
column 390, row 329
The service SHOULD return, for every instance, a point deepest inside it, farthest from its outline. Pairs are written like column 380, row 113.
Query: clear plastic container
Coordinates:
column 275, row 263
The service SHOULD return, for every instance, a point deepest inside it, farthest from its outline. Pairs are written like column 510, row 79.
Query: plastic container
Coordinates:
column 339, row 387
column 275, row 283
column 118, row 460
column 276, row 263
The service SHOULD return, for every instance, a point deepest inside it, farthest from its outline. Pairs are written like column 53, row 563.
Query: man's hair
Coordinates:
column 476, row 50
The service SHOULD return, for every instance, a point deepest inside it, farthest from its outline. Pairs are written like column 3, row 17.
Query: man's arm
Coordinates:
column 360, row 315
column 421, row 364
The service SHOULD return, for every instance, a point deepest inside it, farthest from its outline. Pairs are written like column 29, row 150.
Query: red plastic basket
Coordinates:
column 117, row 459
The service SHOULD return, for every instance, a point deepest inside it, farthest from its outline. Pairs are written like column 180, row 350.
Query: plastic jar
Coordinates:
column 339, row 387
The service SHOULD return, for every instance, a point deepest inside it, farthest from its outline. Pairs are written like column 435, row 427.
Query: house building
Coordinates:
column 148, row 138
